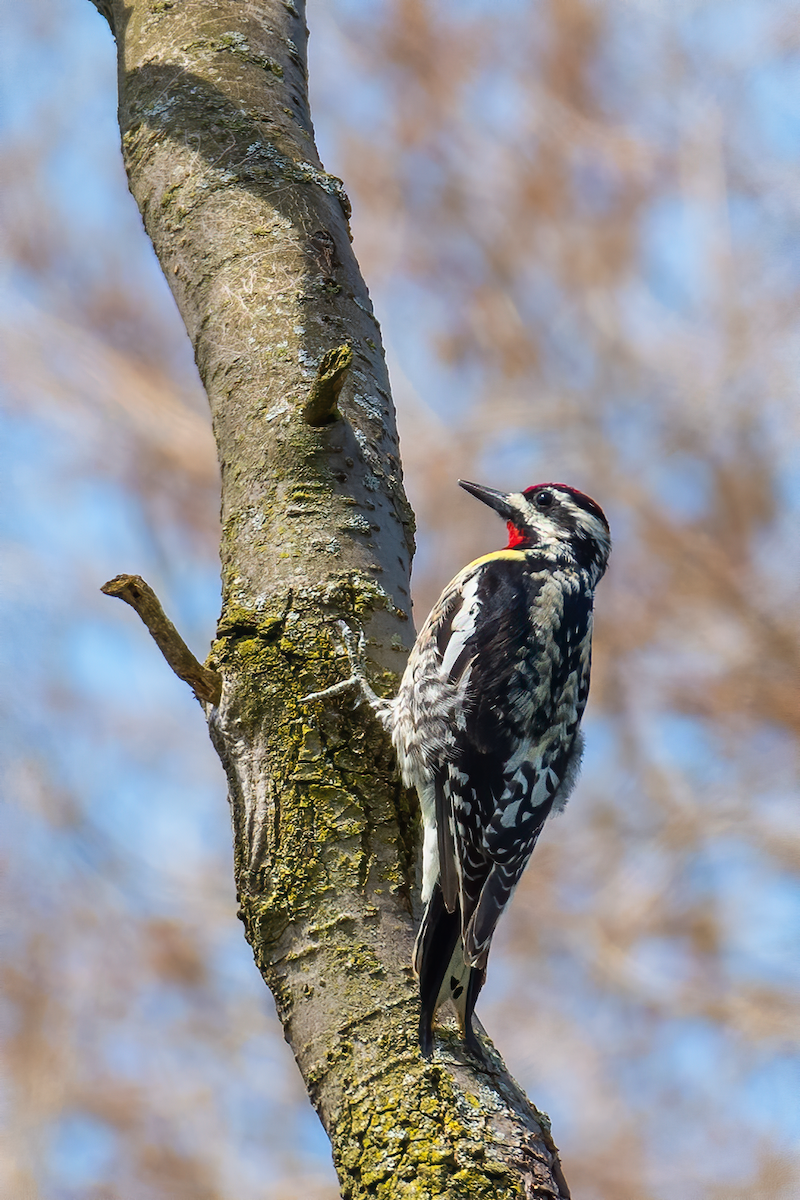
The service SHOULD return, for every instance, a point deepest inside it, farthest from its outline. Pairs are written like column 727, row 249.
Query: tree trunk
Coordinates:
column 253, row 237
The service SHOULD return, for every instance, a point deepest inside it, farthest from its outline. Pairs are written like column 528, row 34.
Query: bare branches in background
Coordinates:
column 577, row 220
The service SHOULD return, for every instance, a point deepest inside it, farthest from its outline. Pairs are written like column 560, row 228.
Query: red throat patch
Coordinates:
column 515, row 538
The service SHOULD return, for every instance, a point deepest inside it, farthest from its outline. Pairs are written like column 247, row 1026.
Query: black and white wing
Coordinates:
column 507, row 668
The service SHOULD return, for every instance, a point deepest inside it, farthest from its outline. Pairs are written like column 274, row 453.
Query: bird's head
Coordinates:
column 554, row 518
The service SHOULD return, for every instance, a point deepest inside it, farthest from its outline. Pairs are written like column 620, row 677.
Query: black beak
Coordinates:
column 496, row 500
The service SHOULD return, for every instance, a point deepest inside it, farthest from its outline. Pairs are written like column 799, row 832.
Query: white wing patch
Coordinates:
column 463, row 623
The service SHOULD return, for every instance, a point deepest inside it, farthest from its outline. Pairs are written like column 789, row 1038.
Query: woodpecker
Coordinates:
column 486, row 726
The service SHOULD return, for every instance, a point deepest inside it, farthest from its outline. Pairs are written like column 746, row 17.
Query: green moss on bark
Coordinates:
column 415, row 1135
column 336, row 798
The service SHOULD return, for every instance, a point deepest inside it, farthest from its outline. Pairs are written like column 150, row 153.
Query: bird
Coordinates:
column 486, row 726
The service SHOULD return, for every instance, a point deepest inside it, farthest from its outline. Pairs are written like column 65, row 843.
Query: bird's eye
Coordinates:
column 544, row 499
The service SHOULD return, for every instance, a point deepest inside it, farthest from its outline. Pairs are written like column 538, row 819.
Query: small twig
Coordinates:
column 320, row 408
column 206, row 684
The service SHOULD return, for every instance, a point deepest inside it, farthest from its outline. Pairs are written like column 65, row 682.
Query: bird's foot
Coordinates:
column 357, row 681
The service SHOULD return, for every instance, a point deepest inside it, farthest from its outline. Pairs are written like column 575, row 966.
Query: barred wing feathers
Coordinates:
column 498, row 686
column 517, row 689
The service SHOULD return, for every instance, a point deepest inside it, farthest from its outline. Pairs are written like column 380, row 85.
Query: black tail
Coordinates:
column 443, row 974
column 436, row 941
column 477, row 978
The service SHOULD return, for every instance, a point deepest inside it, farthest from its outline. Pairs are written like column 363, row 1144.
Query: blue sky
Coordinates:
column 89, row 708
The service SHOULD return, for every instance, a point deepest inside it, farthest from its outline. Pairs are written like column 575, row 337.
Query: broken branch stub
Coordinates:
column 205, row 683
column 321, row 407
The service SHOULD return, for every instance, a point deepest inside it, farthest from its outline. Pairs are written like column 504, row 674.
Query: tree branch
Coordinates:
column 332, row 371
column 206, row 684
column 253, row 237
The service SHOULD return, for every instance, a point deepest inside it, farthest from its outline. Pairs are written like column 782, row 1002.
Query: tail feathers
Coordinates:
column 438, row 936
column 495, row 895
column 477, row 978
column 443, row 973
column 464, row 983
column 448, row 874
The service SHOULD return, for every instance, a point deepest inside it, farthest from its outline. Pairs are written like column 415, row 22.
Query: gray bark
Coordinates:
column 253, row 237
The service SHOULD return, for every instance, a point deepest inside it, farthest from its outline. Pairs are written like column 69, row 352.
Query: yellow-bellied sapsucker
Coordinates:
column 486, row 725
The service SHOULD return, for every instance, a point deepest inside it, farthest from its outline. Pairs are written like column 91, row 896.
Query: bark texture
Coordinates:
column 253, row 236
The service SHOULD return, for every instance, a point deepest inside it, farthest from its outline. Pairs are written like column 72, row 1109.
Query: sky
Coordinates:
column 112, row 795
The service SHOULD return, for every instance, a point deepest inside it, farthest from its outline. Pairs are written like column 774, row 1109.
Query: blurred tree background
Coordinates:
column 580, row 222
